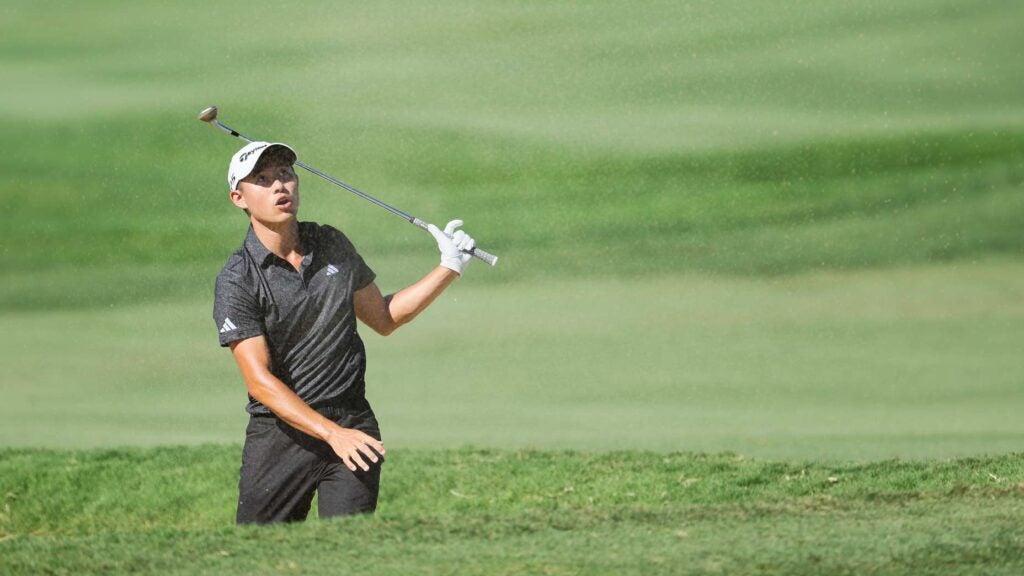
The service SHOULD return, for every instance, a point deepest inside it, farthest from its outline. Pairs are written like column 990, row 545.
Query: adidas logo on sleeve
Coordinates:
column 228, row 326
column 332, row 269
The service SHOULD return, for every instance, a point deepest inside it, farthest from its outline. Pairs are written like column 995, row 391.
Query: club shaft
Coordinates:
column 357, row 192
column 477, row 252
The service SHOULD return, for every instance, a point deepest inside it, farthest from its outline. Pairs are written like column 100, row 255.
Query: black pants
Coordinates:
column 282, row 468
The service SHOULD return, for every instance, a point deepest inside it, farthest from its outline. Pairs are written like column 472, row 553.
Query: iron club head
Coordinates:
column 208, row 114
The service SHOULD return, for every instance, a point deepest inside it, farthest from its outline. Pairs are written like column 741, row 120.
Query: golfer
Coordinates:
column 286, row 304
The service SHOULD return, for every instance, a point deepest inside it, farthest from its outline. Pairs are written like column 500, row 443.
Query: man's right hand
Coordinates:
column 351, row 445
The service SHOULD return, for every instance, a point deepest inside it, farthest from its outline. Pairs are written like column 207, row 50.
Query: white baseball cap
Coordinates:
column 243, row 162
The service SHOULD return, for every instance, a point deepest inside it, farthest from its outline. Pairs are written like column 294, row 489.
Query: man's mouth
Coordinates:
column 284, row 202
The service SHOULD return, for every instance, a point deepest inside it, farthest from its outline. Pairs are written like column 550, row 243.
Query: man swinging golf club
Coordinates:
column 286, row 304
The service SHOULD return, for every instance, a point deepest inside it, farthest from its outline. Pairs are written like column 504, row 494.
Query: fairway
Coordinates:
column 830, row 365
column 759, row 307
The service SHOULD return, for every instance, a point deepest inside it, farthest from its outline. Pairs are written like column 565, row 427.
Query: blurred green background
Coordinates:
column 787, row 229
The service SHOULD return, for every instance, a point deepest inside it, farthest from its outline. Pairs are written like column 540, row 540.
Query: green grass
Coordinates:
column 918, row 362
column 169, row 511
column 599, row 141
column 786, row 229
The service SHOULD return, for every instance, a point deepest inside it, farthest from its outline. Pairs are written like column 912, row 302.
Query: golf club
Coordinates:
column 209, row 115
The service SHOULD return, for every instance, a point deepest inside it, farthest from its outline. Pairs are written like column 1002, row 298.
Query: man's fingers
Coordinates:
column 434, row 231
column 365, row 449
column 371, row 442
column 353, row 445
column 348, row 462
column 375, row 444
column 358, row 460
column 450, row 228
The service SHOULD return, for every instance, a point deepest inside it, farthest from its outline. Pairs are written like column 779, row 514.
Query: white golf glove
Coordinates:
column 454, row 250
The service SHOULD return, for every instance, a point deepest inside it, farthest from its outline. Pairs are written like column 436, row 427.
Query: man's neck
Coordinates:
column 281, row 239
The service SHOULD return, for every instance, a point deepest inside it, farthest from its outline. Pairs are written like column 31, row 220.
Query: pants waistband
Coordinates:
column 334, row 410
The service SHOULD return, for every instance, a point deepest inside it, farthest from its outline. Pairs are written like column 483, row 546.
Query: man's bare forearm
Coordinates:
column 407, row 303
column 354, row 447
column 286, row 405
column 253, row 360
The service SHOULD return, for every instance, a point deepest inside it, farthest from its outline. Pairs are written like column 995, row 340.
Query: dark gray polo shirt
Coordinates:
column 306, row 316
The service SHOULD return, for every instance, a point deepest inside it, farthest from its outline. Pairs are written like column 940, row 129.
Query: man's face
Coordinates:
column 270, row 193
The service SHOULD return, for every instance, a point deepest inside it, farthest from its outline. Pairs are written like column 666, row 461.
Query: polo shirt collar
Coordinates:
column 261, row 254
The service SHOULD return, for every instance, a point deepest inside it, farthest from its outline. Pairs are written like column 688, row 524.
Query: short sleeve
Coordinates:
column 236, row 311
column 362, row 274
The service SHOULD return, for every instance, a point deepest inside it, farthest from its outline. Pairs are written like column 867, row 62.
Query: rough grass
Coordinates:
column 169, row 510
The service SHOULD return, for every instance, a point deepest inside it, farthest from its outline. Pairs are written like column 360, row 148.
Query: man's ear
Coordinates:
column 237, row 199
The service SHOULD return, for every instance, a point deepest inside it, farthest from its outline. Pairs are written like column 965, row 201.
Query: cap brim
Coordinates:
column 277, row 148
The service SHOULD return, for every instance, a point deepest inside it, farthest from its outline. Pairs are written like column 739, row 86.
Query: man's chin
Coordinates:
column 277, row 218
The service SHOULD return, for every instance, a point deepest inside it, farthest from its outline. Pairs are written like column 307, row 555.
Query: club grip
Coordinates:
column 485, row 256
column 475, row 252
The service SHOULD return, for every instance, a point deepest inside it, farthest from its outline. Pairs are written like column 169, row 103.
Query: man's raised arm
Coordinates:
column 385, row 314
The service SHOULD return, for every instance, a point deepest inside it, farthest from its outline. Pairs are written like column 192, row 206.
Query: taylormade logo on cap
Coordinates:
column 243, row 162
column 242, row 157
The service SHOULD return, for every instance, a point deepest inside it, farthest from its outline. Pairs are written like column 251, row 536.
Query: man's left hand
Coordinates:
column 455, row 246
